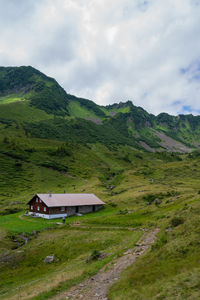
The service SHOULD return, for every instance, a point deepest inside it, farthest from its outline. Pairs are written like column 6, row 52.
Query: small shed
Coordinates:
column 51, row 206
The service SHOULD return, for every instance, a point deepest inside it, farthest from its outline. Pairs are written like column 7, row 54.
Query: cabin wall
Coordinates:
column 38, row 206
column 56, row 210
column 85, row 209
column 89, row 208
column 71, row 210
column 98, row 207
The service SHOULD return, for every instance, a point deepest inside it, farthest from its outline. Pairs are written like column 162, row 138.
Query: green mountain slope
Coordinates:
column 45, row 110
column 53, row 141
column 27, row 83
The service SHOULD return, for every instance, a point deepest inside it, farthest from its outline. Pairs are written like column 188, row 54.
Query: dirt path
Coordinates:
column 96, row 288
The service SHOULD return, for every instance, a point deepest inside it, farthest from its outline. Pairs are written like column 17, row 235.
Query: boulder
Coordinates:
column 157, row 201
column 49, row 259
column 102, row 256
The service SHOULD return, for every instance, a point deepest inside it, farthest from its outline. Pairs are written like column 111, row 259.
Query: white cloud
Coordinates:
column 110, row 50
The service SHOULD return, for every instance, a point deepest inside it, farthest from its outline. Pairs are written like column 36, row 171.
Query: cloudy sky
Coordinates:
column 147, row 51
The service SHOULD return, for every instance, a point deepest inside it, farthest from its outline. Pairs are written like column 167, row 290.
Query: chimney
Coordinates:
column 50, row 194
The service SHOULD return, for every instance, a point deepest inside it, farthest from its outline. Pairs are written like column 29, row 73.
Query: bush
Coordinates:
column 123, row 212
column 177, row 221
column 160, row 242
column 94, row 256
column 10, row 210
column 113, row 204
column 150, row 198
column 54, row 165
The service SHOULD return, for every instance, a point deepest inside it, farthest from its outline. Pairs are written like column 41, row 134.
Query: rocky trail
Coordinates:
column 96, row 288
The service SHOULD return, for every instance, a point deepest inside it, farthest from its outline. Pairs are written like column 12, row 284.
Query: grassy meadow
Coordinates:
column 128, row 181
column 140, row 189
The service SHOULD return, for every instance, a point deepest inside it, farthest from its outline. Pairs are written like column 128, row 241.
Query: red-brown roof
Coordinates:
column 55, row 200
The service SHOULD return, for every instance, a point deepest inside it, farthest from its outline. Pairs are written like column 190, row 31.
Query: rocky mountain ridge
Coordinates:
column 65, row 117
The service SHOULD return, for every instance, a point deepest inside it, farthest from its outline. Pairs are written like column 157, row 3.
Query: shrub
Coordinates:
column 160, row 242
column 94, row 256
column 113, row 204
column 10, row 210
column 177, row 221
column 18, row 164
column 123, row 212
column 149, row 198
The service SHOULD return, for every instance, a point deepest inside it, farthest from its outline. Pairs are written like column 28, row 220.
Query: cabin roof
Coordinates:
column 54, row 200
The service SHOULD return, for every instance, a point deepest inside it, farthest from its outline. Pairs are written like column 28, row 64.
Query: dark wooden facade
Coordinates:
column 38, row 206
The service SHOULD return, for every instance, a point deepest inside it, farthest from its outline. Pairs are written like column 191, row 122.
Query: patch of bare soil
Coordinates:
column 94, row 120
column 147, row 147
column 96, row 288
column 170, row 144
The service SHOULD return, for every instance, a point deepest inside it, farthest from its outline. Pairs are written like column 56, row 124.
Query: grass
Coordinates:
column 21, row 110
column 71, row 247
column 129, row 181
column 170, row 270
column 114, row 110
column 10, row 99
column 45, row 145
column 169, row 264
column 165, row 272
column 79, row 111
column 19, row 223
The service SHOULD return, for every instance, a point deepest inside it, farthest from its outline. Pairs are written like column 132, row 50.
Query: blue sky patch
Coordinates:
column 187, row 109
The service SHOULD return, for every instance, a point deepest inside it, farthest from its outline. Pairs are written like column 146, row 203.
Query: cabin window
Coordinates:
column 62, row 208
column 38, row 208
column 40, row 201
column 45, row 209
column 36, row 199
column 31, row 206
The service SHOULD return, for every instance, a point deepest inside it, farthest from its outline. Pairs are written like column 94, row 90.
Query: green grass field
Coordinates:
column 21, row 111
column 128, row 181
column 174, row 257
column 71, row 247
column 49, row 144
column 76, row 110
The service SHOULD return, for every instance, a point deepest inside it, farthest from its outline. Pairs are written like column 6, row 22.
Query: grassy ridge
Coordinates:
column 121, row 123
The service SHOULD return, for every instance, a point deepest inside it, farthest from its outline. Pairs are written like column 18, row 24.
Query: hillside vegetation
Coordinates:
column 28, row 89
column 53, row 141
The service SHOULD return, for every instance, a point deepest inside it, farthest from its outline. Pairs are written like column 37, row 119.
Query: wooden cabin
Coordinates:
column 51, row 206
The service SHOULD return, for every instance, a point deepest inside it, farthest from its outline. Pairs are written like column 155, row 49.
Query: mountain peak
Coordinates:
column 122, row 122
